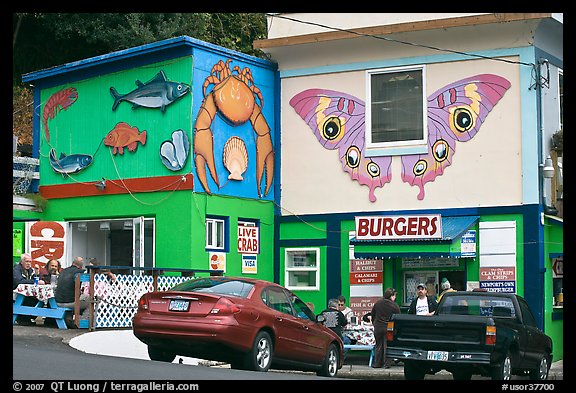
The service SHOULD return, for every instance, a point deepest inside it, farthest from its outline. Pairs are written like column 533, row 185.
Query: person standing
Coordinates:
column 333, row 318
column 423, row 304
column 446, row 287
column 381, row 312
column 66, row 289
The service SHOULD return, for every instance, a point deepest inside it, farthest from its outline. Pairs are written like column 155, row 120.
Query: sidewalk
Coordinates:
column 123, row 343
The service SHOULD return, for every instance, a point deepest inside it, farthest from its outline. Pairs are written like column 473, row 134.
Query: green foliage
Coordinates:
column 67, row 37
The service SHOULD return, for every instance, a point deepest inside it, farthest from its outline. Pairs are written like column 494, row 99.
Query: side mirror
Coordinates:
column 320, row 318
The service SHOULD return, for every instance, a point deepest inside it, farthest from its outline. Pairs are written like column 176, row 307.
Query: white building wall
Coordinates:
column 486, row 171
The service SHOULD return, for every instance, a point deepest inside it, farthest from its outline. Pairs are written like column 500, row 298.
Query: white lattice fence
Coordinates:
column 117, row 302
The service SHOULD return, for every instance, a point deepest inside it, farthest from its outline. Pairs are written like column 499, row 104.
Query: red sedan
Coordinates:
column 251, row 324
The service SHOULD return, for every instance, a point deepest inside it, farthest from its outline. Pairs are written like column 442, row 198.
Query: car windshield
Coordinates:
column 218, row 286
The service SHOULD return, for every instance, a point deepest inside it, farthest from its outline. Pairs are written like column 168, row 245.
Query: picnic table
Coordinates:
column 45, row 307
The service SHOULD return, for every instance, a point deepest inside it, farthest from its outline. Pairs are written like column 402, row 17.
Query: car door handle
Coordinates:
column 305, row 327
column 279, row 318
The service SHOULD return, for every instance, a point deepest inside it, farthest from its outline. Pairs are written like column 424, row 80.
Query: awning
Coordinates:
column 452, row 228
column 448, row 246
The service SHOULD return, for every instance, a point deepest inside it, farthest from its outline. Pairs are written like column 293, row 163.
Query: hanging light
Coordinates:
column 548, row 170
column 105, row 226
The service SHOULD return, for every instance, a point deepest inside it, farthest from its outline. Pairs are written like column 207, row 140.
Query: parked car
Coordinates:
column 251, row 324
column 485, row 333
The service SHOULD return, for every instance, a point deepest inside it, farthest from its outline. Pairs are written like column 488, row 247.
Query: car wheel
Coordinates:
column 260, row 357
column 156, row 353
column 541, row 373
column 330, row 365
column 413, row 371
column 503, row 371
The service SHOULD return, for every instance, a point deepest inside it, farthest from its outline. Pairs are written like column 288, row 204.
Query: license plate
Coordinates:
column 438, row 355
column 179, row 305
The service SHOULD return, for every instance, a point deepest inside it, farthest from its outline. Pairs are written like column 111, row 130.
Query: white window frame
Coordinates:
column 212, row 231
column 288, row 270
column 419, row 146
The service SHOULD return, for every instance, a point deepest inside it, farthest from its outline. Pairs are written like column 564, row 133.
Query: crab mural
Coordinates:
column 236, row 98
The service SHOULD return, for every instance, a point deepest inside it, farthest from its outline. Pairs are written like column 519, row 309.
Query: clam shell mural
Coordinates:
column 235, row 158
column 174, row 153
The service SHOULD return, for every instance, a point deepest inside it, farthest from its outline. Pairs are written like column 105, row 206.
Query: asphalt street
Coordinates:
column 123, row 343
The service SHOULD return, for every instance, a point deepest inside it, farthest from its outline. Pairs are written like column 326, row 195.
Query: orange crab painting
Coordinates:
column 237, row 99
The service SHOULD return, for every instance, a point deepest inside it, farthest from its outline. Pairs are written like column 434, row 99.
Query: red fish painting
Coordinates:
column 124, row 135
column 58, row 101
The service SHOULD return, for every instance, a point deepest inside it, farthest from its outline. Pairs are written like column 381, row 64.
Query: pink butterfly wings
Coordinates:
column 337, row 120
column 455, row 114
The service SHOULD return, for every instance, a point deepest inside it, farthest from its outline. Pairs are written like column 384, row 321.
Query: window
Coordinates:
column 396, row 112
column 276, row 299
column 215, row 233
column 302, row 268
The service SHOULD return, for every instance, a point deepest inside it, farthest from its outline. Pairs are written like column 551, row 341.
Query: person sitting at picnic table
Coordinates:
column 23, row 273
column 66, row 290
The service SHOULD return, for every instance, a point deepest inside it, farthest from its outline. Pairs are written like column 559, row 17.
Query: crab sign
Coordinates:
column 234, row 97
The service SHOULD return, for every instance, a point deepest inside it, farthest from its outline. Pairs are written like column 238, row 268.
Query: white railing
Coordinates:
column 24, row 170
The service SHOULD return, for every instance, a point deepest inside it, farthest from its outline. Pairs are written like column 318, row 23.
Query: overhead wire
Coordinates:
column 399, row 41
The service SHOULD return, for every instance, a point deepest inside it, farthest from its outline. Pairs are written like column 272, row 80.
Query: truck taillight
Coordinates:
column 490, row 335
column 390, row 331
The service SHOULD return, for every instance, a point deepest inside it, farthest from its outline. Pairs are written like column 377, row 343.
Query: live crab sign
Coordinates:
column 248, row 240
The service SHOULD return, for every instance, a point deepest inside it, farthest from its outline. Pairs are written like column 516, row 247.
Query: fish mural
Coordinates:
column 69, row 164
column 124, row 135
column 58, row 101
column 158, row 92
column 174, row 153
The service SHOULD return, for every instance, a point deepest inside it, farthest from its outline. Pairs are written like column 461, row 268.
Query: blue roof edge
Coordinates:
column 140, row 51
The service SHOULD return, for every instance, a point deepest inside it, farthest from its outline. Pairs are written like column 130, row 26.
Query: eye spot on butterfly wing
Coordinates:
column 332, row 128
column 373, row 169
column 353, row 157
column 420, row 167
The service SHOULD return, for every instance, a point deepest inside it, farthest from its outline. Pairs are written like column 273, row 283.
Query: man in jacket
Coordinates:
column 333, row 318
column 423, row 304
column 381, row 312
column 23, row 273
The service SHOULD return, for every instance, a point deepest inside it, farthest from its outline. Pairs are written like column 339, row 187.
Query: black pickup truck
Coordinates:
column 481, row 333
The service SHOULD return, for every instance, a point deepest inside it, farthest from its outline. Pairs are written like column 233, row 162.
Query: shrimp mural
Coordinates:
column 58, row 101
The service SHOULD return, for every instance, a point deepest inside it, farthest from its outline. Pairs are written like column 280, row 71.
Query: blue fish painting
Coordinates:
column 69, row 164
column 156, row 93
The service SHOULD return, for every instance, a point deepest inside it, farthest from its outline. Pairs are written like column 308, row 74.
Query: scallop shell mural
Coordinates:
column 235, row 158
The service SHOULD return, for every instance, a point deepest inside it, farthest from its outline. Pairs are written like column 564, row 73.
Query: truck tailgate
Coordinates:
column 447, row 332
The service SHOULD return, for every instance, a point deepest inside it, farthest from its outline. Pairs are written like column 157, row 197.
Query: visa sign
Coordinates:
column 248, row 240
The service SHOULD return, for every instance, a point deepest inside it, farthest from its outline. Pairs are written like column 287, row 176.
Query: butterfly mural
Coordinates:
column 455, row 114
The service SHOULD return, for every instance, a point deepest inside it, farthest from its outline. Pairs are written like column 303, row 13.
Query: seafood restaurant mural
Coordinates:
column 124, row 135
column 58, row 101
column 455, row 114
column 234, row 97
column 69, row 164
column 174, row 152
column 158, row 92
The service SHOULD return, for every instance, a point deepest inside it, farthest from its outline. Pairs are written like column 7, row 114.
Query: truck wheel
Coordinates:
column 541, row 373
column 462, row 375
column 156, row 353
column 330, row 365
column 413, row 371
column 260, row 357
column 503, row 371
